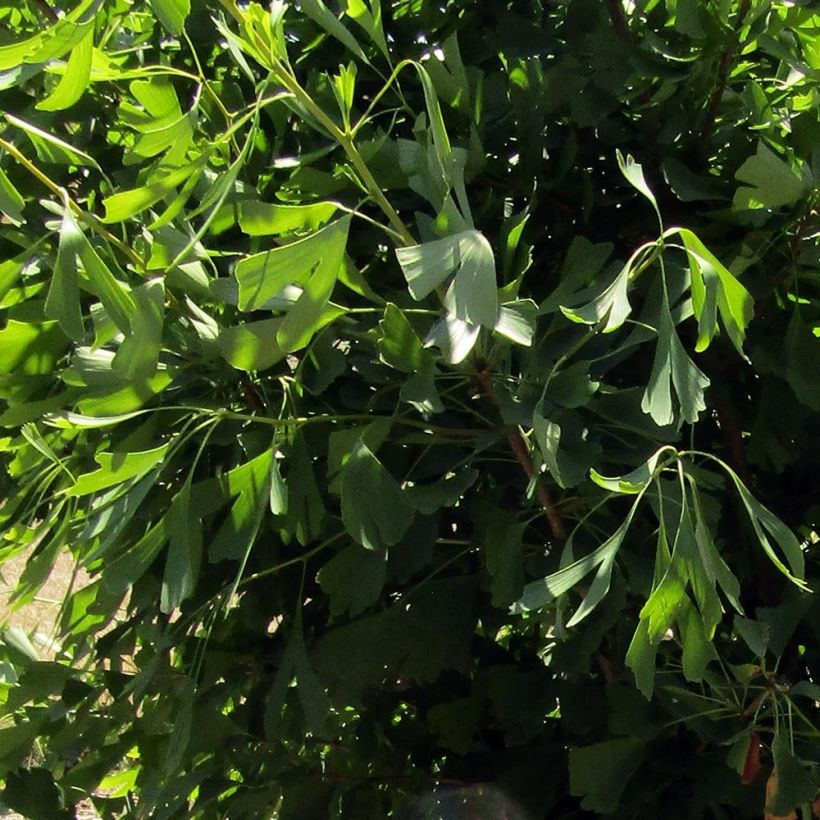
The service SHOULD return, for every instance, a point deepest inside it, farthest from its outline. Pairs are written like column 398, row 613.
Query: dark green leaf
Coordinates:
column 600, row 773
column 353, row 579
column 34, row 794
column 795, row 785
column 374, row 521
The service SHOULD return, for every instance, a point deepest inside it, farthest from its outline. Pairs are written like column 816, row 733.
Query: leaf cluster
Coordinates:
column 427, row 396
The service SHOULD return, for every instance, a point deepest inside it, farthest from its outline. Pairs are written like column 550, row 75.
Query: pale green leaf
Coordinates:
column 138, row 354
column 278, row 489
column 516, row 321
column 454, row 337
column 610, row 308
column 472, row 295
column 634, row 175
column 584, row 260
column 125, row 204
column 538, row 594
column 313, row 264
column 673, row 367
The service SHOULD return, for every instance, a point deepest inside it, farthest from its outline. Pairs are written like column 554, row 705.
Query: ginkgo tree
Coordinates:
column 426, row 395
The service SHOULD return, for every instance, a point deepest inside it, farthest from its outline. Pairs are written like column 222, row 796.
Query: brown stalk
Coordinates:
column 619, row 21
column 724, row 68
column 46, row 10
column 522, row 455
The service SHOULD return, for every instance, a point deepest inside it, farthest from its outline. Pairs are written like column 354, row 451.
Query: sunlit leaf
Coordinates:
column 73, row 83
column 471, row 296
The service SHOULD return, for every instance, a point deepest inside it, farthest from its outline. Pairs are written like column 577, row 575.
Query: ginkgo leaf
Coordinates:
column 771, row 183
column 472, row 295
column 454, row 337
column 312, row 263
column 378, row 520
column 610, row 307
column 714, row 287
column 172, row 13
column 75, row 80
column 634, row 174
column 673, row 368
column 63, row 299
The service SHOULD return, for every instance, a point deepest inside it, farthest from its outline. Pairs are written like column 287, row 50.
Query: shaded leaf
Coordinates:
column 353, row 579
column 601, row 772
column 792, row 784
column 374, row 521
column 184, row 552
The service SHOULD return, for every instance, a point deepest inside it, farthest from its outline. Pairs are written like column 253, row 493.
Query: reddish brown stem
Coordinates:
column 732, row 437
column 724, row 67
column 619, row 21
column 522, row 455
column 46, row 10
column 606, row 667
column 806, row 221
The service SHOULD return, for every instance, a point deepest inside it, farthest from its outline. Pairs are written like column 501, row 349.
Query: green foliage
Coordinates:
column 428, row 395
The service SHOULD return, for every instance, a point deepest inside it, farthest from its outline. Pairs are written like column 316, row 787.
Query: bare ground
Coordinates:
column 38, row 616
